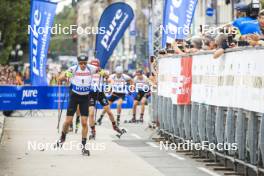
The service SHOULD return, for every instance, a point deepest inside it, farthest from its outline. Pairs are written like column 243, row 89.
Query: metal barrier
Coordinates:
column 216, row 124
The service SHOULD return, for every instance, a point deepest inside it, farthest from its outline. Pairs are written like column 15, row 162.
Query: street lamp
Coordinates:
column 15, row 55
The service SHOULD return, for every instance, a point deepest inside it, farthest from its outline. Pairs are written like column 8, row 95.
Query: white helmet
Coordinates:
column 119, row 70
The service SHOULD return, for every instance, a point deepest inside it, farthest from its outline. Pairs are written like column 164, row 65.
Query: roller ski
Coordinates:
column 85, row 152
column 92, row 136
column 120, row 131
column 133, row 120
column 99, row 121
column 59, row 143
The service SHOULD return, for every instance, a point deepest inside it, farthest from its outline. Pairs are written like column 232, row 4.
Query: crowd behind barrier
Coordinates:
column 221, row 101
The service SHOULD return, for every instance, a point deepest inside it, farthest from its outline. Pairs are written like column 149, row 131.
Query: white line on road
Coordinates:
column 136, row 136
column 176, row 156
column 208, row 171
column 152, row 144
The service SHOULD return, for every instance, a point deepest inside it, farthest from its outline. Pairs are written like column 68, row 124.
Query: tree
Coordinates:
column 14, row 20
column 64, row 44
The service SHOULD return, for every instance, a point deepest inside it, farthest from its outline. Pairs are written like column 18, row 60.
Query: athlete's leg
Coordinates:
column 99, row 121
column 84, row 118
column 84, row 127
column 78, row 114
column 143, row 101
column 119, row 109
column 92, row 121
column 134, row 110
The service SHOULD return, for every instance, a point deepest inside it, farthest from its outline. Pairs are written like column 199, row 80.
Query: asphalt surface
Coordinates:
column 22, row 151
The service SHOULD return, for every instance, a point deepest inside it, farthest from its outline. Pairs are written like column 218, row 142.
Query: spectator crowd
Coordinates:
column 246, row 30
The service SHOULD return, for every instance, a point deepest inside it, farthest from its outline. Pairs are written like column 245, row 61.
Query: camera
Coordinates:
column 254, row 8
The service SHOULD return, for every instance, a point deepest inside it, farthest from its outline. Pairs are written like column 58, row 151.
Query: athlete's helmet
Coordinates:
column 82, row 57
column 119, row 70
column 95, row 62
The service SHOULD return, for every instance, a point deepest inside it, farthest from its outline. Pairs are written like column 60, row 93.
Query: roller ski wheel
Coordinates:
column 121, row 132
column 85, row 152
column 59, row 144
column 133, row 120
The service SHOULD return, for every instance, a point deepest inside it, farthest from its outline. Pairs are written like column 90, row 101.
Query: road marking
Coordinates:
column 208, row 171
column 152, row 144
column 136, row 136
column 176, row 156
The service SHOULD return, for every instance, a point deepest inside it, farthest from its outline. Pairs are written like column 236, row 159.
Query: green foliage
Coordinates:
column 63, row 44
column 14, row 20
column 262, row 3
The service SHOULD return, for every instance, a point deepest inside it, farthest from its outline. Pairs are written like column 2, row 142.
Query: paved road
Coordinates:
column 135, row 154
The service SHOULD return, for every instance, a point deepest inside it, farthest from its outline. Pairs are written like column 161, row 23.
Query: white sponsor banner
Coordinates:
column 234, row 80
column 174, row 79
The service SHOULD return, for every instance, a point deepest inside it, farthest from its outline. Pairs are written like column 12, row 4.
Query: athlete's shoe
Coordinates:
column 99, row 121
column 59, row 143
column 85, row 151
column 92, row 135
column 133, row 120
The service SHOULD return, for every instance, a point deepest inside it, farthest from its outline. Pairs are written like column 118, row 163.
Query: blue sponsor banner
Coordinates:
column 40, row 97
column 114, row 20
column 177, row 19
column 41, row 20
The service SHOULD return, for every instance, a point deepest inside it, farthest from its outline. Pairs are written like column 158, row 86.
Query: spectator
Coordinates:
column 209, row 43
column 244, row 23
column 27, row 76
column 19, row 79
column 261, row 21
column 8, row 76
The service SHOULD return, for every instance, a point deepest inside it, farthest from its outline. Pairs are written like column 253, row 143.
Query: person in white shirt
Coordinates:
column 98, row 94
column 118, row 82
column 142, row 88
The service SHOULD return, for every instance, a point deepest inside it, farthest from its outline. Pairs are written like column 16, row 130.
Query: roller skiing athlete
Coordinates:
column 80, row 78
column 98, row 94
column 142, row 87
column 118, row 82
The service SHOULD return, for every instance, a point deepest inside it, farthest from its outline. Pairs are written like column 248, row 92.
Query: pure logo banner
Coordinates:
column 115, row 20
column 41, row 20
column 177, row 19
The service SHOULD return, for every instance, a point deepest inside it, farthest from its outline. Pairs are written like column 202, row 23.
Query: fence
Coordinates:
column 219, row 101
